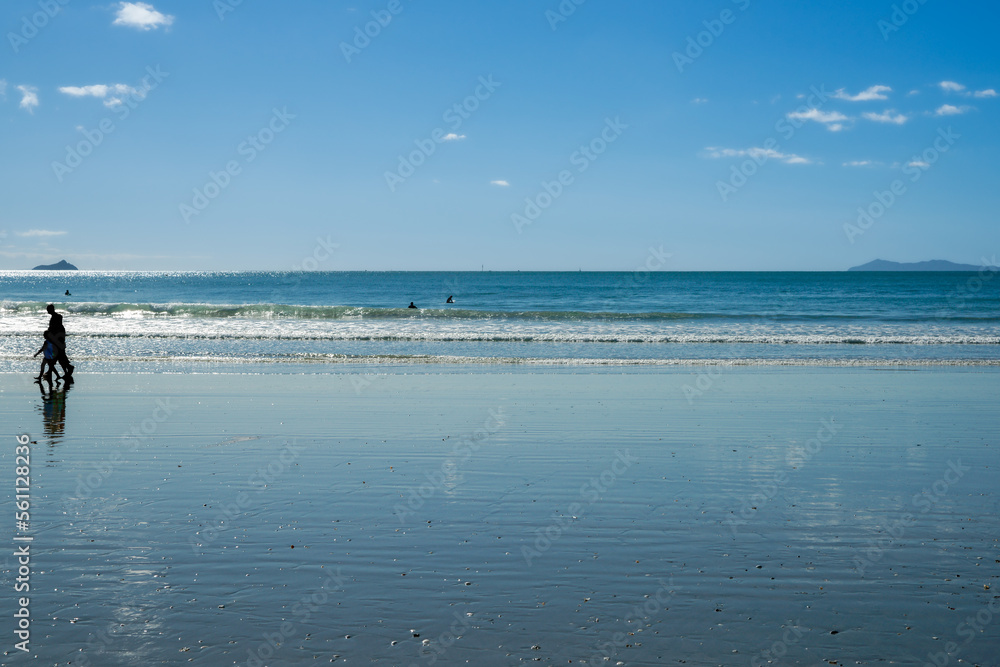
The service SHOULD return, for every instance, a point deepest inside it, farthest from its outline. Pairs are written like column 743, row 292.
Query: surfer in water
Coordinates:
column 450, row 299
column 411, row 305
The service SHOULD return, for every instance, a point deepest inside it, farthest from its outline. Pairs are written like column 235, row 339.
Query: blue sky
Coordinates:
column 733, row 134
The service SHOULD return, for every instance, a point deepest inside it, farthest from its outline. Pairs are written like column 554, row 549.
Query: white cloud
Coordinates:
column 858, row 163
column 759, row 154
column 29, row 98
column 39, row 233
column 117, row 91
column 872, row 93
column 949, row 110
column 914, row 92
column 699, row 100
column 952, row 87
column 502, row 184
column 918, row 163
column 832, row 119
column 141, row 16
column 888, row 116
column 451, row 136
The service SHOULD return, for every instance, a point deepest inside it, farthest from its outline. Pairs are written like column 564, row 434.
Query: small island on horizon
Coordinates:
column 62, row 265
column 929, row 265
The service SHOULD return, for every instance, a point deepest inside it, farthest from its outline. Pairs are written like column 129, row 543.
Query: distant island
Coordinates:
column 61, row 266
column 930, row 265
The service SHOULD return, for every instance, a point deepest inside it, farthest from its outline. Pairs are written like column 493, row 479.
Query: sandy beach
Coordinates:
column 460, row 515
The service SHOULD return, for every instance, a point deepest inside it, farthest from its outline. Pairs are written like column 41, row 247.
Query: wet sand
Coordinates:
column 405, row 516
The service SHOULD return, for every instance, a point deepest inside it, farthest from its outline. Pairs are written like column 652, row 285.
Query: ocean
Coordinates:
column 134, row 319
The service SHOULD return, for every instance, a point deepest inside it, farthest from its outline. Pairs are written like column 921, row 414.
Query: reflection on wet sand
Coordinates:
column 53, row 409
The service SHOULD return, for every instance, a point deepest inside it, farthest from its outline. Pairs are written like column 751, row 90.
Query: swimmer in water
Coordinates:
column 411, row 305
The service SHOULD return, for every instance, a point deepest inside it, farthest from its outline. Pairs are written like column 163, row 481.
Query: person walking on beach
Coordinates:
column 57, row 334
column 48, row 361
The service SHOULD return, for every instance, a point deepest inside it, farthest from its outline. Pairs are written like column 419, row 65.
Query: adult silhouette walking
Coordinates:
column 57, row 334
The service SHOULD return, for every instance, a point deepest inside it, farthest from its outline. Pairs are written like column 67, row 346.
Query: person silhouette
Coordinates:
column 49, row 360
column 68, row 294
column 57, row 334
column 450, row 299
column 411, row 305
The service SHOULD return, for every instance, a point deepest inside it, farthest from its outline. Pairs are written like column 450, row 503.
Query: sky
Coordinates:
column 516, row 135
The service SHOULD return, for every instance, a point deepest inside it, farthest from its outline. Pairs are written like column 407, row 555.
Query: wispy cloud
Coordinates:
column 699, row 100
column 888, row 116
column 502, row 184
column 950, row 110
column 858, row 163
column 40, row 233
column 832, row 119
column 873, row 93
column 29, row 98
column 918, row 163
column 141, row 16
column 953, row 87
column 451, row 136
column 759, row 154
column 117, row 92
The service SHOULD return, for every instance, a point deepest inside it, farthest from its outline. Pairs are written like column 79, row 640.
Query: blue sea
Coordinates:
column 597, row 318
